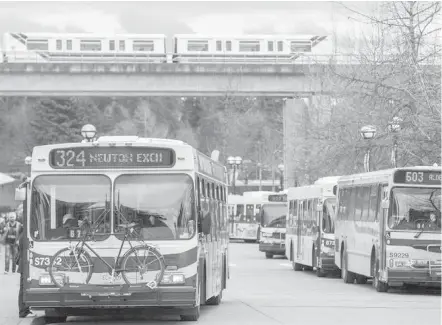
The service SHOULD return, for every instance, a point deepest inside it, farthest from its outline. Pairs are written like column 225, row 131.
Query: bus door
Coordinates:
column 239, row 216
column 250, row 209
column 383, row 218
column 299, row 229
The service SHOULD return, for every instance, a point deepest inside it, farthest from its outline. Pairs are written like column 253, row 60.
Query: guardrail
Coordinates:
column 173, row 58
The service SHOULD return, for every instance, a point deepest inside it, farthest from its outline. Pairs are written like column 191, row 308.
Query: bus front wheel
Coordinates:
column 346, row 275
column 378, row 284
column 269, row 255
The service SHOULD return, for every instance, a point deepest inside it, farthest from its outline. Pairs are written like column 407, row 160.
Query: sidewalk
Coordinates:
column 9, row 287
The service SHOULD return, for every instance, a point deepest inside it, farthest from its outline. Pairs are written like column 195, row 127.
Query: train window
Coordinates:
column 270, row 46
column 228, row 45
column 122, row 46
column 58, row 45
column 197, row 46
column 111, row 45
column 69, row 45
column 37, row 44
column 90, row 45
column 280, row 46
column 249, row 46
column 219, row 46
column 143, row 46
column 301, row 46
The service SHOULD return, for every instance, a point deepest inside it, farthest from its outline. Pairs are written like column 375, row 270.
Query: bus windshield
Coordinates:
column 162, row 205
column 415, row 209
column 59, row 202
column 273, row 215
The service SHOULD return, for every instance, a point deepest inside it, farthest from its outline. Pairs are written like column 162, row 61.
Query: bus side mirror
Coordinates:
column 20, row 194
column 385, row 204
column 335, row 189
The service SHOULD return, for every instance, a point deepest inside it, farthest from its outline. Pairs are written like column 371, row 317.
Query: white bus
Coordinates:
column 272, row 227
column 388, row 227
column 310, row 239
column 98, row 211
column 244, row 215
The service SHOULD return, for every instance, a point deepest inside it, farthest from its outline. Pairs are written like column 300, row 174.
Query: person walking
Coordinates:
column 12, row 230
column 23, row 310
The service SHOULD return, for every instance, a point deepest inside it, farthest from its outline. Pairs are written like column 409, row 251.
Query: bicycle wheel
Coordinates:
column 143, row 265
column 72, row 263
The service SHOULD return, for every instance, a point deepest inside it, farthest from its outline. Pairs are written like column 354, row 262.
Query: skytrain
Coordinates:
column 151, row 48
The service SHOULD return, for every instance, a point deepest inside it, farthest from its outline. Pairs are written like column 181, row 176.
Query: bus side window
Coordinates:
column 374, row 197
column 198, row 194
column 366, row 202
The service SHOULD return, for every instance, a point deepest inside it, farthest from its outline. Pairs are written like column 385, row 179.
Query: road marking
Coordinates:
column 232, row 264
column 286, row 264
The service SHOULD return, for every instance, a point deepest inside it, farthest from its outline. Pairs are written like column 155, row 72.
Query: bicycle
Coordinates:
column 77, row 253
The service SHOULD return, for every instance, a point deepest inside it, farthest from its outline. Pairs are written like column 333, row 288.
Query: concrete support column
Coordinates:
column 292, row 120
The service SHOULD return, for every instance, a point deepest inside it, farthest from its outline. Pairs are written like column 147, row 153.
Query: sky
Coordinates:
column 209, row 17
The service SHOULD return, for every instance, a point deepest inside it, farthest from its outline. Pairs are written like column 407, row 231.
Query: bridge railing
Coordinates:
column 144, row 58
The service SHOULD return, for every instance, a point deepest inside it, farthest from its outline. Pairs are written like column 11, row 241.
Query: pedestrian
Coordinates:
column 23, row 310
column 12, row 230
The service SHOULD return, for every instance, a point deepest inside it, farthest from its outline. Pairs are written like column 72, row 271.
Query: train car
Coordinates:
column 64, row 47
column 193, row 48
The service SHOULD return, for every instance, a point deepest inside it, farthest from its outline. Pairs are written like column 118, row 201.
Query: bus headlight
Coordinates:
column 45, row 279
column 173, row 278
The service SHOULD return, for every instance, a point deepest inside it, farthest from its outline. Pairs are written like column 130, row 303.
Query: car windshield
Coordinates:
column 161, row 205
column 415, row 209
column 60, row 202
column 273, row 215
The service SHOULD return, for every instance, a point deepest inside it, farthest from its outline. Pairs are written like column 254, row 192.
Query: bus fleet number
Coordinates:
column 414, row 177
column 399, row 255
column 45, row 261
column 65, row 158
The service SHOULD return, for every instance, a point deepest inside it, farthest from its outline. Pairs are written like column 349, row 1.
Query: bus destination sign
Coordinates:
column 278, row 198
column 424, row 177
column 111, row 157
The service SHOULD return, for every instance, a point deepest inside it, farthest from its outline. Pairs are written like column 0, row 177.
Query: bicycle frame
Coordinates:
column 110, row 268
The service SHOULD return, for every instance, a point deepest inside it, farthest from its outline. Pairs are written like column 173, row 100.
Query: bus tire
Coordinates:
column 360, row 279
column 53, row 315
column 269, row 255
column 193, row 314
column 346, row 275
column 378, row 284
column 296, row 266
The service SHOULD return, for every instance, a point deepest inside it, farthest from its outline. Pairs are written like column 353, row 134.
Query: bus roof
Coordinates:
column 311, row 191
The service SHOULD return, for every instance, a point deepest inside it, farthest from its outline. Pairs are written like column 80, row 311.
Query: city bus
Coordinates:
column 244, row 215
column 124, row 222
column 272, row 225
column 310, row 236
column 388, row 227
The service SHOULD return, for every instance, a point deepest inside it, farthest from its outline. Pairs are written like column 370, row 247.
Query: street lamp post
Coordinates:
column 259, row 165
column 394, row 126
column 281, row 176
column 368, row 132
column 234, row 163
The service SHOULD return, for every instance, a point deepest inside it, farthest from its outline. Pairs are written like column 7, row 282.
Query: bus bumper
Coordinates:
column 414, row 277
column 274, row 248
column 111, row 297
column 327, row 263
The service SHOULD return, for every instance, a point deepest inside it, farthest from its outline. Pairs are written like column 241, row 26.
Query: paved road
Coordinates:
column 269, row 292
